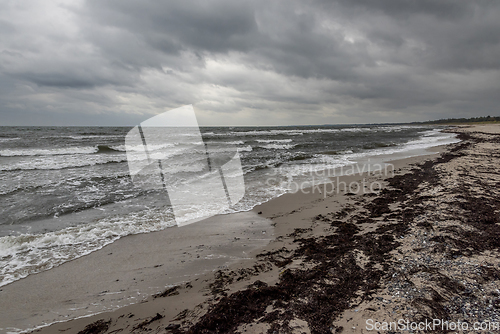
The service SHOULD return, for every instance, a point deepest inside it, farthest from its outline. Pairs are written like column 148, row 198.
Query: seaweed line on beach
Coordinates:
column 425, row 247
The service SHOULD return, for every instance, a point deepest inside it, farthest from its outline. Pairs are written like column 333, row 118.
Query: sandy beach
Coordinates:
column 249, row 167
column 425, row 247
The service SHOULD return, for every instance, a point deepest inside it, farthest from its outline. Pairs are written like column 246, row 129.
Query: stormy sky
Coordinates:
column 100, row 62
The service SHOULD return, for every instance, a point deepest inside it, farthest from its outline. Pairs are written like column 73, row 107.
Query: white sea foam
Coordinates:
column 291, row 132
column 25, row 254
column 395, row 128
column 236, row 142
column 300, row 132
column 91, row 136
column 79, row 150
column 316, row 164
column 68, row 160
column 274, row 140
column 428, row 139
column 61, row 162
column 254, row 133
column 53, row 151
column 8, row 139
column 279, row 146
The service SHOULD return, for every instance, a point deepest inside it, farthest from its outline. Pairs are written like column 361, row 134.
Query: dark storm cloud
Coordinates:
column 254, row 62
column 269, row 34
column 173, row 26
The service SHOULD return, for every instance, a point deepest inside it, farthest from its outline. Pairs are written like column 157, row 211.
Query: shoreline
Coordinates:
column 270, row 210
column 131, row 269
column 60, row 293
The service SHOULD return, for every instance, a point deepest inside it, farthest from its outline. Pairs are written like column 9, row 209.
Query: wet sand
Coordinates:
column 131, row 269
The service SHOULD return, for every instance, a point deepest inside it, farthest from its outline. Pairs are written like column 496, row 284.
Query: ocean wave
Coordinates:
column 262, row 165
column 61, row 150
column 428, row 139
column 19, row 189
column 65, row 150
column 278, row 146
column 68, row 162
column 288, row 132
column 315, row 164
column 256, row 133
column 247, row 148
column 108, row 149
column 27, row 254
column 53, row 151
column 300, row 132
column 377, row 145
column 8, row 139
column 300, row 157
column 274, row 140
column 100, row 155
column 236, row 142
column 397, row 128
column 107, row 136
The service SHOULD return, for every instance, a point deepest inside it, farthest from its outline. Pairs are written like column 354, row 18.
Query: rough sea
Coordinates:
column 66, row 191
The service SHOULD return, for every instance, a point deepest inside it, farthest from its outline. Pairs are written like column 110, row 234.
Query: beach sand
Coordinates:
column 131, row 269
column 425, row 247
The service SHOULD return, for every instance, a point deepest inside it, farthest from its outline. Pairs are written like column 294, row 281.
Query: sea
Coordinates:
column 67, row 191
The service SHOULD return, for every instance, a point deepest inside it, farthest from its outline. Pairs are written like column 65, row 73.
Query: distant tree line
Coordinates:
column 463, row 120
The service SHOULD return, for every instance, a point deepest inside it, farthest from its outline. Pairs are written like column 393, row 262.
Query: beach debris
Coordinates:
column 98, row 327
column 168, row 292
column 145, row 323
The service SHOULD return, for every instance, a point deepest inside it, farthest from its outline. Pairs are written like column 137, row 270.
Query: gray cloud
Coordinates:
column 267, row 63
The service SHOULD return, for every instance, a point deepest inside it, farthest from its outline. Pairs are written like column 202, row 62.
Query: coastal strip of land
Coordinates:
column 425, row 247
